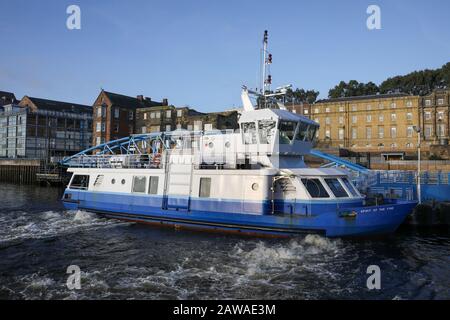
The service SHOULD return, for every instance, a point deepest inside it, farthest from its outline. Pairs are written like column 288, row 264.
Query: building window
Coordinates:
column 409, row 103
column 409, row 131
column 327, row 134
column 152, row 115
column 393, row 132
column 116, row 128
column 354, row 133
column 369, row 118
column 144, row 129
column 354, row 119
column 99, row 111
column 205, row 188
column 158, row 115
column 341, row 120
column 145, row 115
column 440, row 115
column 409, row 116
column 179, row 113
column 341, row 134
column 380, row 106
column 153, row 185
column 428, row 115
column 393, row 105
column 208, row 126
column 327, row 109
column 409, row 145
column 168, row 127
column 116, row 113
column 98, row 126
column 428, row 131
column 305, row 111
column 380, row 132
column 130, row 115
column 354, row 107
column 341, row 108
column 441, row 130
column 190, row 127
column 381, row 118
column 428, row 102
column 327, row 120
column 393, row 117
column 369, row 133
column 168, row 114
column 103, row 127
column 369, row 107
column 316, row 110
column 393, row 145
column 139, row 184
column 98, row 140
column 440, row 101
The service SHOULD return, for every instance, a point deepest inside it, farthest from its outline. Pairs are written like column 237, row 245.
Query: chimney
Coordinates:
column 165, row 102
column 140, row 97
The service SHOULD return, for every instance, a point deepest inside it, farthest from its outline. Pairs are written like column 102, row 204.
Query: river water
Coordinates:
column 119, row 260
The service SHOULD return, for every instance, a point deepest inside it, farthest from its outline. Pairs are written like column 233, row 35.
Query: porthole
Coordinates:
column 123, row 181
column 113, row 181
column 211, row 145
column 227, row 144
column 255, row 186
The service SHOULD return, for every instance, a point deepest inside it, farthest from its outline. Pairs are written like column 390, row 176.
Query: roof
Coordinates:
column 54, row 105
column 368, row 97
column 263, row 114
column 130, row 102
column 9, row 96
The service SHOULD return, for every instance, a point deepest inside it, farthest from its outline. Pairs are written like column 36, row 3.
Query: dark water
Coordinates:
column 39, row 240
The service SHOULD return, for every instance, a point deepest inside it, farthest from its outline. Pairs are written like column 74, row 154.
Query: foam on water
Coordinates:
column 18, row 226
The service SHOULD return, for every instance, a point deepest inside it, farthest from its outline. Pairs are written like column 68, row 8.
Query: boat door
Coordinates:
column 178, row 187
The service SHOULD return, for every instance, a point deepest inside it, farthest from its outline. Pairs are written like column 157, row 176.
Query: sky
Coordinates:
column 199, row 53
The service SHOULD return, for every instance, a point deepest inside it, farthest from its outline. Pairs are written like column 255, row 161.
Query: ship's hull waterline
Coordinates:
column 350, row 219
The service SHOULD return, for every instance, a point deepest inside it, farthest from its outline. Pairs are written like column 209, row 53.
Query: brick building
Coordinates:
column 7, row 98
column 302, row 108
column 114, row 115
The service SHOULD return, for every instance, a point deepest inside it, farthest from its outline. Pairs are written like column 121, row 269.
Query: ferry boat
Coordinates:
column 252, row 181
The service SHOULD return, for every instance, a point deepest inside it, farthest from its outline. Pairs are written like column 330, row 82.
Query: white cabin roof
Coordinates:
column 267, row 114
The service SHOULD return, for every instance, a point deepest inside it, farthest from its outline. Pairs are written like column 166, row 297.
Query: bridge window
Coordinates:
column 336, row 187
column 350, row 187
column 311, row 133
column 205, row 188
column 315, row 188
column 139, row 184
column 249, row 133
column 302, row 133
column 153, row 185
column 80, row 182
column 287, row 131
column 265, row 128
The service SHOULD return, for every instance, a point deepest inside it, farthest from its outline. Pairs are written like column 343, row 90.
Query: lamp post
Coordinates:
column 419, row 196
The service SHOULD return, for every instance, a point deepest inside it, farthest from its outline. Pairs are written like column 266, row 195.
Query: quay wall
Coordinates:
column 21, row 171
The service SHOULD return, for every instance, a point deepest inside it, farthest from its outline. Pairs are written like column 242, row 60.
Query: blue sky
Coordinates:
column 199, row 53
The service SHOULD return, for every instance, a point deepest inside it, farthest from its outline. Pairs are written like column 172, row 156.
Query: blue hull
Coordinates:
column 332, row 219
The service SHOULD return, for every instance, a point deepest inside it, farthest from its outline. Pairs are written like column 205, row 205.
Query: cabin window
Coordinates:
column 336, row 187
column 302, row 133
column 315, row 188
column 139, row 184
column 249, row 133
column 311, row 133
column 205, row 187
column 287, row 131
column 265, row 128
column 153, row 185
column 350, row 187
column 80, row 182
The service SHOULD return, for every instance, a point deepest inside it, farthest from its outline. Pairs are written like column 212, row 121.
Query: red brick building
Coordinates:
column 114, row 115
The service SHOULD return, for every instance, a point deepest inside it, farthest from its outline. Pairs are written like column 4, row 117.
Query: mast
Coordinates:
column 266, row 62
